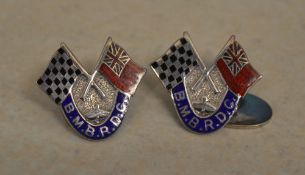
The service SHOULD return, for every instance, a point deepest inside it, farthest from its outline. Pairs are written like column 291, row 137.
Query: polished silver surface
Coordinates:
column 252, row 112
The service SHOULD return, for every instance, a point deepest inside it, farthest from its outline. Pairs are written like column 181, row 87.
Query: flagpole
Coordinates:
column 206, row 73
column 188, row 37
column 91, row 81
column 202, row 65
column 203, row 68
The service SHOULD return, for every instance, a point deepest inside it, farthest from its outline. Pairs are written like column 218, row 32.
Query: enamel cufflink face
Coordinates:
column 206, row 98
column 94, row 105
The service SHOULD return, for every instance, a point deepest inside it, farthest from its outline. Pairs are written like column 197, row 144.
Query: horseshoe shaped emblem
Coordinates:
column 94, row 105
column 205, row 98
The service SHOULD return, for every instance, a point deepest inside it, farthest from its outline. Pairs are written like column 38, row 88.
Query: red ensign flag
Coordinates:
column 119, row 69
column 236, row 69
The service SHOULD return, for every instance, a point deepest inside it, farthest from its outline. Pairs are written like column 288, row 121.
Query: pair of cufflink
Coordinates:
column 206, row 98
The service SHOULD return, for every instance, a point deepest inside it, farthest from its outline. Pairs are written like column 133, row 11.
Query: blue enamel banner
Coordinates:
column 96, row 132
column 198, row 124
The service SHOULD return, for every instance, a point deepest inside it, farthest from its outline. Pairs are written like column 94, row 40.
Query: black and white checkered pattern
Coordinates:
column 175, row 63
column 59, row 75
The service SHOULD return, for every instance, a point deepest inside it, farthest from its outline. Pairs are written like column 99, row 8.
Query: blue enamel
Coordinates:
column 96, row 132
column 203, row 125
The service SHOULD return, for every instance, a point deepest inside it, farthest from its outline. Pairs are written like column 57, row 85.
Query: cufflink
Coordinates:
column 93, row 104
column 209, row 98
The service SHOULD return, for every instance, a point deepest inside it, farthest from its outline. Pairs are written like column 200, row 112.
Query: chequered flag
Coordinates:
column 59, row 75
column 175, row 63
